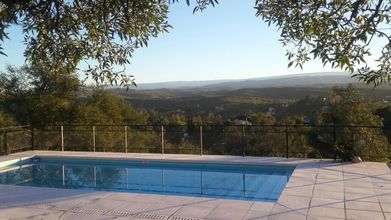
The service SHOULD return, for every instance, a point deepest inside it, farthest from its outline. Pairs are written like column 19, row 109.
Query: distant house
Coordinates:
column 241, row 120
column 272, row 110
column 219, row 108
column 185, row 136
column 325, row 108
column 308, row 121
column 387, row 99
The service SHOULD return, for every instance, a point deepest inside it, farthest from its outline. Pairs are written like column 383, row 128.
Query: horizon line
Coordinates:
column 261, row 77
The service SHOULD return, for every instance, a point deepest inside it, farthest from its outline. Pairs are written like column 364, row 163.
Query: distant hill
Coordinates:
column 299, row 80
column 178, row 84
column 236, row 97
column 324, row 79
column 230, row 102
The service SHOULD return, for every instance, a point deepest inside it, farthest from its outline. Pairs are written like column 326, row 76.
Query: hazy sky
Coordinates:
column 225, row 42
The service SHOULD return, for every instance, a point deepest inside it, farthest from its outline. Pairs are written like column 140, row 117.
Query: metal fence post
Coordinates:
column 162, row 130
column 126, row 139
column 335, row 142
column 93, row 137
column 243, row 153
column 32, row 138
column 201, row 140
column 62, row 138
column 354, row 143
column 286, row 141
column 5, row 143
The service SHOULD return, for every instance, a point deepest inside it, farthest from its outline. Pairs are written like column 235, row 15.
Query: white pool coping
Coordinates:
column 317, row 189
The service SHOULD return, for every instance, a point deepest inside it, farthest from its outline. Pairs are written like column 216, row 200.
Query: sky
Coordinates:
column 225, row 42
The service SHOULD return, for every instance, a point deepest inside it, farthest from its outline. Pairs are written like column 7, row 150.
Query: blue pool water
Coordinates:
column 246, row 182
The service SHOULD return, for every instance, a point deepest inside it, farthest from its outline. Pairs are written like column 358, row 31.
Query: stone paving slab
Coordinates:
column 317, row 189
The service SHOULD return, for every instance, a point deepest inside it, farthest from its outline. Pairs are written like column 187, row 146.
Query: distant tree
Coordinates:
column 306, row 106
column 196, row 120
column 349, row 108
column 104, row 107
column 109, row 114
column 15, row 81
column 34, row 95
column 262, row 140
column 133, row 117
column 6, row 120
column 14, row 88
column 213, row 118
column 176, row 119
column 263, row 118
column 297, row 119
column 385, row 114
column 28, row 92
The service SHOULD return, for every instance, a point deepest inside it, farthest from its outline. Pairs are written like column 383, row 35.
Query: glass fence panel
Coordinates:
column 300, row 141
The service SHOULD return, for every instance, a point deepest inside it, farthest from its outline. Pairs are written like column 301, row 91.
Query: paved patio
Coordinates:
column 316, row 190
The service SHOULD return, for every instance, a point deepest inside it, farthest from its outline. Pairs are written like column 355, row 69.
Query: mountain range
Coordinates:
column 321, row 79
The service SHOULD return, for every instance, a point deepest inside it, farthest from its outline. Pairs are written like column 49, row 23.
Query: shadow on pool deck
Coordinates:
column 21, row 196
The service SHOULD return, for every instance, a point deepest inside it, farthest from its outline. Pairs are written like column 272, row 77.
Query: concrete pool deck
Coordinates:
column 317, row 189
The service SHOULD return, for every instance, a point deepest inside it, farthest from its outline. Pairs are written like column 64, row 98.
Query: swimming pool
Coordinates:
column 233, row 181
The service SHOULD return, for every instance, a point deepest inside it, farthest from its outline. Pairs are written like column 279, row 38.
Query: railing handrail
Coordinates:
column 213, row 125
column 245, row 134
column 15, row 127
